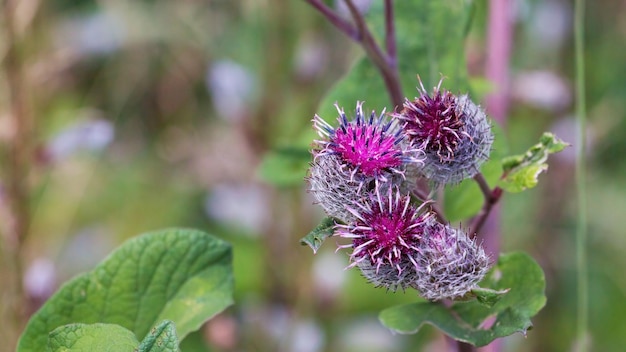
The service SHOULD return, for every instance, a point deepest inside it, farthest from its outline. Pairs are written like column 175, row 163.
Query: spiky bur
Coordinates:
column 352, row 159
column 453, row 132
column 331, row 183
column 449, row 263
column 385, row 239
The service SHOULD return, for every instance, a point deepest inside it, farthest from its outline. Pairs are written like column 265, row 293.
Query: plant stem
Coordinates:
column 346, row 27
column 465, row 347
column 484, row 186
column 499, row 39
column 581, row 229
column 390, row 33
column 382, row 62
column 386, row 64
column 491, row 198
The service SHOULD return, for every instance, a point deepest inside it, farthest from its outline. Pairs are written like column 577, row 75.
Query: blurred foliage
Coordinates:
column 147, row 69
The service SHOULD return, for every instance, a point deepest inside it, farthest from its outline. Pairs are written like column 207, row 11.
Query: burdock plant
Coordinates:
column 390, row 183
column 356, row 174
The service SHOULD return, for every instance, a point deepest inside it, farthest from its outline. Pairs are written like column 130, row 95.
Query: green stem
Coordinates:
column 581, row 233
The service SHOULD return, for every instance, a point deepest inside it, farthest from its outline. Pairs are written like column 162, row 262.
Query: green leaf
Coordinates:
column 487, row 296
column 177, row 274
column 162, row 338
column 473, row 322
column 285, row 167
column 91, row 338
column 466, row 199
column 316, row 238
column 521, row 171
column 430, row 42
column 111, row 338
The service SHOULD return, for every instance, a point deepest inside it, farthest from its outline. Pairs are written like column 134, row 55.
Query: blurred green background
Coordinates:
column 154, row 113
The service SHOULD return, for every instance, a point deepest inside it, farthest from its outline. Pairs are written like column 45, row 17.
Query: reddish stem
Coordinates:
column 386, row 64
column 490, row 200
column 346, row 27
column 390, row 34
column 499, row 38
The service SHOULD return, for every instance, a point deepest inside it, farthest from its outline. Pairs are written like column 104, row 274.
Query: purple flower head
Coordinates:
column 449, row 263
column 453, row 132
column 385, row 238
column 372, row 148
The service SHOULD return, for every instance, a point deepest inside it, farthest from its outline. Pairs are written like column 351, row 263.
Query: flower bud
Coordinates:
column 453, row 132
column 449, row 263
column 385, row 239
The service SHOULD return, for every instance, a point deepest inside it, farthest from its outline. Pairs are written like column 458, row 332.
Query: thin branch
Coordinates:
column 390, row 34
column 346, row 27
column 363, row 36
column 490, row 201
column 484, row 187
column 389, row 73
column 491, row 198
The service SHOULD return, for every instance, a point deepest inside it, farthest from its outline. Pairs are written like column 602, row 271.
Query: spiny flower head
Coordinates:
column 372, row 147
column 449, row 263
column 331, row 182
column 385, row 237
column 453, row 132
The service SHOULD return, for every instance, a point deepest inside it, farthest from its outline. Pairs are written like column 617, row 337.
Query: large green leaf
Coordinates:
column 92, row 338
column 521, row 171
column 474, row 322
column 430, row 41
column 180, row 275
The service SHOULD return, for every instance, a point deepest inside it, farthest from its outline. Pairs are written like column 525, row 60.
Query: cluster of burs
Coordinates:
column 365, row 174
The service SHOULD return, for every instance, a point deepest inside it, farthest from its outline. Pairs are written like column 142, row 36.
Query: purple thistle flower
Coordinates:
column 449, row 263
column 356, row 157
column 385, row 238
column 372, row 147
column 453, row 132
